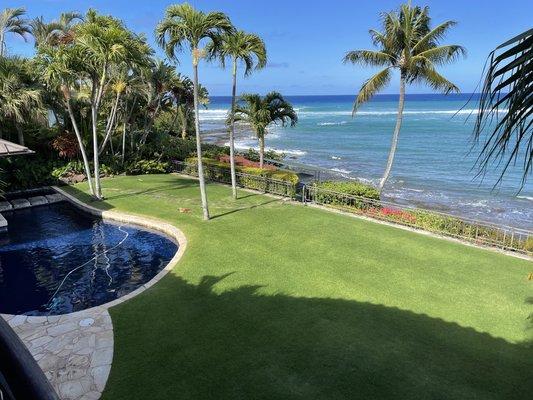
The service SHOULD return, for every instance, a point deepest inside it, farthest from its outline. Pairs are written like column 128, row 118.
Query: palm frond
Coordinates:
column 369, row 58
column 505, row 108
column 371, row 87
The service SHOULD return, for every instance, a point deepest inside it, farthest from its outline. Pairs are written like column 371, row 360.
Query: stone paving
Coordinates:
column 75, row 351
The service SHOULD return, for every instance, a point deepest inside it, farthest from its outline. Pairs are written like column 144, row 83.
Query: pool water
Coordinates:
column 56, row 259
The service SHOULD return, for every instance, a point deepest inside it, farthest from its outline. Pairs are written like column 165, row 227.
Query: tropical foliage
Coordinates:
column 409, row 45
column 93, row 91
column 249, row 49
column 183, row 24
column 12, row 21
column 261, row 112
column 506, row 107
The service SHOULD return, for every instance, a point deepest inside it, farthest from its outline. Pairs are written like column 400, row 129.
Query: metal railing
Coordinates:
column 478, row 232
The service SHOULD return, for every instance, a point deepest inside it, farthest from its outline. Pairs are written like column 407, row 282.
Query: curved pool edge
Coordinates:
column 75, row 350
column 158, row 225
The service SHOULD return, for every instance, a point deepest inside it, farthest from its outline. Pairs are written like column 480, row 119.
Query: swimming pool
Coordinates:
column 57, row 259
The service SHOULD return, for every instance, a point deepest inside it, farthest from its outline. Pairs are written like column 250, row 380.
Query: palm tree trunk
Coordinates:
column 110, row 124
column 82, row 147
column 395, row 136
column 261, row 150
column 1, row 43
column 123, row 141
column 20, row 133
column 96, row 160
column 201, row 178
column 232, row 132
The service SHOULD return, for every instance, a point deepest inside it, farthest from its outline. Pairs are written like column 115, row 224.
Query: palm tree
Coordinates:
column 59, row 68
column 104, row 42
column 259, row 112
column 407, row 44
column 506, row 100
column 250, row 49
column 182, row 23
column 11, row 21
column 20, row 100
column 55, row 32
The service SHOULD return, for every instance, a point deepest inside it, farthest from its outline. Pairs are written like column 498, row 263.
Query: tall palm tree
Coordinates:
column 55, row 32
column 407, row 44
column 20, row 100
column 250, row 49
column 104, row 42
column 506, row 106
column 182, row 23
column 260, row 112
column 11, row 21
column 58, row 67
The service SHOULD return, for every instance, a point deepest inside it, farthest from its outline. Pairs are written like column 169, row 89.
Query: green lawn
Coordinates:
column 279, row 301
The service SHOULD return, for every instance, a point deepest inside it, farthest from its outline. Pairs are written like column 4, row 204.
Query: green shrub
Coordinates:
column 72, row 167
column 345, row 194
column 143, row 167
column 277, row 181
column 351, row 188
column 25, row 172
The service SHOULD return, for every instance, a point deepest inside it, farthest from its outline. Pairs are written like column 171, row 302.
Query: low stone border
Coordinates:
column 75, row 350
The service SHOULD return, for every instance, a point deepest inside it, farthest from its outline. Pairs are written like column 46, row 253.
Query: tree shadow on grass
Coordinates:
column 159, row 188
column 182, row 340
column 86, row 198
column 251, row 207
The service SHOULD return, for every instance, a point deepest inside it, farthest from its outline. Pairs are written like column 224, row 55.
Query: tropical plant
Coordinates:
column 11, row 21
column 506, row 107
column 104, row 42
column 59, row 68
column 407, row 44
column 243, row 47
column 260, row 112
column 20, row 98
column 55, row 32
column 182, row 23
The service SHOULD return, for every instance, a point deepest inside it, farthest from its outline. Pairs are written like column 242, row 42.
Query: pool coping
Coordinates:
column 75, row 350
column 151, row 223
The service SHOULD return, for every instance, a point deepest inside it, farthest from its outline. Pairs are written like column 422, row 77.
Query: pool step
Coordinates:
column 3, row 224
column 19, row 204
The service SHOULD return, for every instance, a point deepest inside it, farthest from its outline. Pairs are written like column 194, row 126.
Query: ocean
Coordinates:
column 434, row 162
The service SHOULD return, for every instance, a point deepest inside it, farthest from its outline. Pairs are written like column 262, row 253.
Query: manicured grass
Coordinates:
column 279, row 301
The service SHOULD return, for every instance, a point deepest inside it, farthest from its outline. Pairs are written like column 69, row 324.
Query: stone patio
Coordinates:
column 75, row 351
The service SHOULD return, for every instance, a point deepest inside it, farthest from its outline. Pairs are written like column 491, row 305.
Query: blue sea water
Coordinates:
column 434, row 162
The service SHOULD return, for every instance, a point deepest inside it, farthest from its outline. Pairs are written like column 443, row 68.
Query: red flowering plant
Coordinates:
column 392, row 214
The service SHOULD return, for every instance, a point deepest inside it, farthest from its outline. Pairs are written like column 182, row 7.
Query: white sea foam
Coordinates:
column 331, row 123
column 213, row 115
column 391, row 112
column 336, row 158
column 530, row 198
column 245, row 145
column 341, row 170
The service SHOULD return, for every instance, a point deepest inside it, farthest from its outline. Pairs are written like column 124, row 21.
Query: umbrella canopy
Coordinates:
column 12, row 149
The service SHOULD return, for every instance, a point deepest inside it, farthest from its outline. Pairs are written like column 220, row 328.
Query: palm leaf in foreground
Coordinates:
column 506, row 108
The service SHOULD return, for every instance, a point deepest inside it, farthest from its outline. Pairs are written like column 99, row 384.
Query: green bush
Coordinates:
column 272, row 181
column 72, row 167
column 352, row 188
column 344, row 194
column 143, row 167
column 25, row 172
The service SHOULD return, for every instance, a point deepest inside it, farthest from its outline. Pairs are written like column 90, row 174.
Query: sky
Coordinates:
column 306, row 40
